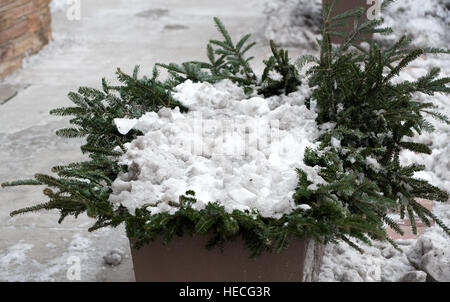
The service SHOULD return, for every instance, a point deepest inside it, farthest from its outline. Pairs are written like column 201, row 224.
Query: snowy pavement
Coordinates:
column 123, row 33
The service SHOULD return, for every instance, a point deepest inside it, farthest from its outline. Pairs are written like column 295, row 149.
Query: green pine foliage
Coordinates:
column 229, row 60
column 374, row 119
column 289, row 78
column 371, row 119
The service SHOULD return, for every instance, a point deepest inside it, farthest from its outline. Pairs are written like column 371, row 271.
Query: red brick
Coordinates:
column 12, row 4
column 408, row 234
column 46, row 18
column 6, row 52
column 24, row 45
column 10, row 66
column 25, row 27
column 40, row 3
column 13, row 31
column 12, row 16
column 4, row 2
column 34, row 22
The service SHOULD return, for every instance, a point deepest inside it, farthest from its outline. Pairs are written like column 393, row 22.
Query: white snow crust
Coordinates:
column 241, row 152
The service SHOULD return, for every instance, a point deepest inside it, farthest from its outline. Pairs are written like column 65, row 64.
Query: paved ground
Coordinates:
column 111, row 34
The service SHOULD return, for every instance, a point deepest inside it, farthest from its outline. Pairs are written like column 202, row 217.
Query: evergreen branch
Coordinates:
column 27, row 182
column 43, row 206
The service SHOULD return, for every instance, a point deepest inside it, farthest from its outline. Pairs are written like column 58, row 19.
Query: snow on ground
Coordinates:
column 296, row 22
column 240, row 152
column 426, row 21
column 67, row 256
column 381, row 262
column 293, row 22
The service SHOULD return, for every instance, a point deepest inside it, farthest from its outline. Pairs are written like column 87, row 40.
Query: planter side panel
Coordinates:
column 185, row 259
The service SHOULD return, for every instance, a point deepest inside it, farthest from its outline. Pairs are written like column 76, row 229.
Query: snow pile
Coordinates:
column 422, row 258
column 114, row 257
column 240, row 152
column 426, row 21
column 380, row 262
column 298, row 22
column 293, row 22
column 431, row 254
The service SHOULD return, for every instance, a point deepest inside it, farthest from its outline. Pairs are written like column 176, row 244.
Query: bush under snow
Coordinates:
column 240, row 152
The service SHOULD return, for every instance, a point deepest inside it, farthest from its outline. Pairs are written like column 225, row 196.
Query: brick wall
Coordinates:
column 25, row 27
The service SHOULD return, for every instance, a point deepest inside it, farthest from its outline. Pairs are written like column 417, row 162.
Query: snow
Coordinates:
column 380, row 262
column 335, row 142
column 58, row 5
column 275, row 75
column 114, row 257
column 240, row 152
column 370, row 161
column 431, row 253
column 16, row 254
column 22, row 267
column 124, row 125
column 426, row 21
column 293, row 22
column 297, row 22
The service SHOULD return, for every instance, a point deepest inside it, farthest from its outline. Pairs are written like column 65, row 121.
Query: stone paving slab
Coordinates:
column 7, row 92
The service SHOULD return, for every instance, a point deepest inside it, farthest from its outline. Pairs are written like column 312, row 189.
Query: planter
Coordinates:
column 343, row 6
column 185, row 259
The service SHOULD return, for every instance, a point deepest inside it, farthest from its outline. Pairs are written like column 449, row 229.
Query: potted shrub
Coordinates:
column 335, row 177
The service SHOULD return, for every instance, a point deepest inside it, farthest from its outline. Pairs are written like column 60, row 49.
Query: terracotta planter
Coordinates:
column 185, row 259
column 344, row 5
